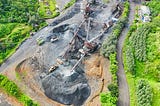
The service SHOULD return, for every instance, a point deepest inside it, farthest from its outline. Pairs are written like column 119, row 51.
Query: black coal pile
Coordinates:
column 67, row 87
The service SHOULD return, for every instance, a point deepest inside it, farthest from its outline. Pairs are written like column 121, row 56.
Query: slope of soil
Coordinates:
column 98, row 75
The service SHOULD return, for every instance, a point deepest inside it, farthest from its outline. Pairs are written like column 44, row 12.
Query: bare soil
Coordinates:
column 6, row 100
column 98, row 75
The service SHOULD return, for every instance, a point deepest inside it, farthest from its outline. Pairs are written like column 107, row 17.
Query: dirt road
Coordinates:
column 124, row 98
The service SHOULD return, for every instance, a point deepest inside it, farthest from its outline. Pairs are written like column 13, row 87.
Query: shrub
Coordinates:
column 107, row 99
column 130, row 62
column 17, row 10
column 113, row 88
column 144, row 93
column 154, row 6
column 138, row 42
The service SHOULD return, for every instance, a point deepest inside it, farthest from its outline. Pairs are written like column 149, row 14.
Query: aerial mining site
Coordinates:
column 82, row 56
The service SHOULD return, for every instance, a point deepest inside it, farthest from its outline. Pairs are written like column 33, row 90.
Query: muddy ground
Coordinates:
column 32, row 63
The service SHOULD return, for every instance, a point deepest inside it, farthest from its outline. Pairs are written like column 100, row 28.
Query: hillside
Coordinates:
column 79, row 52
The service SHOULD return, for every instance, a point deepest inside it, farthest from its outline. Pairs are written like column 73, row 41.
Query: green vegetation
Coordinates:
column 144, row 93
column 132, row 88
column 113, row 66
column 154, row 6
column 12, row 89
column 108, row 49
column 11, row 36
column 138, row 42
column 17, row 10
column 18, row 18
column 142, row 58
column 130, row 60
column 107, row 99
column 48, row 9
column 69, row 4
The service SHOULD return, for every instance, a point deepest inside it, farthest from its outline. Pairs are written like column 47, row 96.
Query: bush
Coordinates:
column 107, row 99
column 130, row 62
column 113, row 88
column 113, row 63
column 154, row 6
column 17, row 10
column 138, row 42
column 144, row 93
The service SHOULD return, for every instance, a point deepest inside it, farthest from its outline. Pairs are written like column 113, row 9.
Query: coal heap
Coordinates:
column 67, row 87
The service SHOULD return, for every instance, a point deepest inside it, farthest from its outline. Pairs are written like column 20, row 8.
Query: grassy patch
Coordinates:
column 156, row 93
column 132, row 88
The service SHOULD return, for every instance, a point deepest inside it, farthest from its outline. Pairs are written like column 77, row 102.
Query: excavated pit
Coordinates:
column 62, row 85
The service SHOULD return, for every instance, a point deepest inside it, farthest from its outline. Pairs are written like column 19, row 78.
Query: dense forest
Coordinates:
column 17, row 19
column 20, row 17
column 17, row 10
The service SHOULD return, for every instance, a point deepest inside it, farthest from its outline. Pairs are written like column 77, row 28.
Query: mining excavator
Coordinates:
column 55, row 66
column 88, row 46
